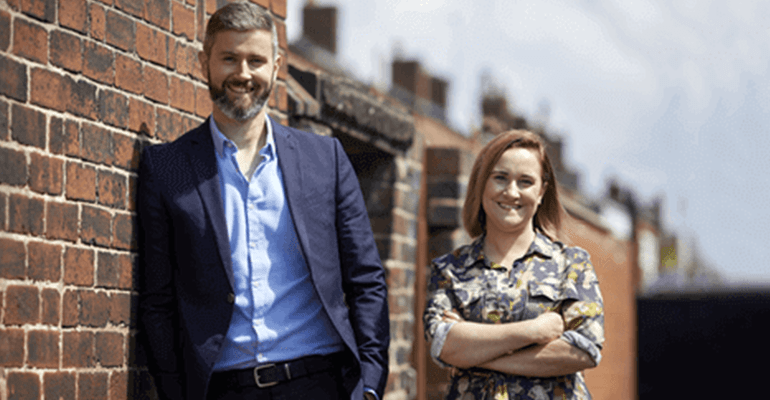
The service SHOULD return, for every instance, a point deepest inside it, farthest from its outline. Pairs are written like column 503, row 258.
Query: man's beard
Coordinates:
column 229, row 107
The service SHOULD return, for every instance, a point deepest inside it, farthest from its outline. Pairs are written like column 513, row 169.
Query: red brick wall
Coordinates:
column 85, row 84
column 615, row 264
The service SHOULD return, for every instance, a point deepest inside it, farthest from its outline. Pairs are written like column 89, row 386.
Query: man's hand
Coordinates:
column 547, row 327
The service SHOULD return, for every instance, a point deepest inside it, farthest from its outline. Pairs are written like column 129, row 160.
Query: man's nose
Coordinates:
column 243, row 70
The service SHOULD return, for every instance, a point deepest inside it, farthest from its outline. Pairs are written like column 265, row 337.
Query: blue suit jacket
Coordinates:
column 186, row 295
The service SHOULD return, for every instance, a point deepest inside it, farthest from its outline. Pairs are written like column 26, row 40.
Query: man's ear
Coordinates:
column 277, row 64
column 203, row 59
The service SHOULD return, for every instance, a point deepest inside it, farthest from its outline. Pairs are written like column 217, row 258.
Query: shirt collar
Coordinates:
column 220, row 140
column 540, row 245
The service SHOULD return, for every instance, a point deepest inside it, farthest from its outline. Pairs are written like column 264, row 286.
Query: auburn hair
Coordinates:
column 549, row 215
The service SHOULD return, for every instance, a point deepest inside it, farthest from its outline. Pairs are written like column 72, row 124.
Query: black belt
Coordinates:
column 272, row 374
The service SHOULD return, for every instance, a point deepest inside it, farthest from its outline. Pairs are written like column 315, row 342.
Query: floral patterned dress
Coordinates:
column 549, row 277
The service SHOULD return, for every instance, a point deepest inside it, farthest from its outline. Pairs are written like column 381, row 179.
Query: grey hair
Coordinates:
column 239, row 16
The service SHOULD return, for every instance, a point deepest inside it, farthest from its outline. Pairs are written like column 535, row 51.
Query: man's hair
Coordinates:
column 549, row 215
column 239, row 16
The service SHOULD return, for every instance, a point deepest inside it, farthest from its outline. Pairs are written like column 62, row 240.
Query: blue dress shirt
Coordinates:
column 277, row 315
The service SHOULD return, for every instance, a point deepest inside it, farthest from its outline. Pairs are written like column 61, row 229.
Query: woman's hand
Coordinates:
column 546, row 327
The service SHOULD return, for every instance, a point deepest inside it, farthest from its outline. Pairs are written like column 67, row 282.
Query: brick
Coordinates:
column 184, row 20
column 5, row 34
column 45, row 174
column 183, row 58
column 156, row 84
column 79, row 266
column 189, row 123
column 141, row 117
column 5, row 114
column 11, row 347
column 120, row 308
column 61, row 221
column 109, row 349
column 151, row 44
column 28, row 126
column 3, row 202
column 98, row 62
column 49, row 308
column 25, row 214
column 13, row 258
column 60, row 385
column 22, row 305
column 43, row 349
column 122, row 32
column 132, row 193
column 203, row 104
column 94, row 308
column 98, row 22
column 44, row 261
column 119, row 385
column 92, row 385
column 13, row 80
column 182, row 94
column 30, row 41
column 111, row 189
column 126, row 152
column 77, row 349
column 13, row 167
column 128, row 74
column 263, row 3
column 70, row 309
column 114, row 271
column 81, row 182
column 62, row 93
column 168, row 125
column 64, row 137
column 44, row 10
column 133, row 7
column 281, row 97
column 23, row 385
column 97, row 144
column 113, row 108
column 158, row 12
column 66, row 51
column 280, row 30
column 73, row 14
column 124, row 231
column 95, row 226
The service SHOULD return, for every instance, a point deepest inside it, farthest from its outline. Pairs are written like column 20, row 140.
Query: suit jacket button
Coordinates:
column 230, row 298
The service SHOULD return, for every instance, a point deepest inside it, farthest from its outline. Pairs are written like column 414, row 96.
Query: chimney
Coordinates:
column 319, row 25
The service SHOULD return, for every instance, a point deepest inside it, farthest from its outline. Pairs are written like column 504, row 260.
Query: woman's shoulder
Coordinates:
column 460, row 257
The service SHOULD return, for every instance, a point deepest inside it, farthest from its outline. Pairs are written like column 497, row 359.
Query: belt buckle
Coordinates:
column 257, row 377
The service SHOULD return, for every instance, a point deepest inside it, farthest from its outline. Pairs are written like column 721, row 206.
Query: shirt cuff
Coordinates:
column 371, row 392
column 584, row 344
column 437, row 344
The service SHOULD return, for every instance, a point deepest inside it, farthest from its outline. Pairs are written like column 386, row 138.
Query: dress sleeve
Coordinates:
column 438, row 301
column 583, row 315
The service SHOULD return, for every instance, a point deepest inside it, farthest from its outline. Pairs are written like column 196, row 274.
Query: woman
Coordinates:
column 517, row 313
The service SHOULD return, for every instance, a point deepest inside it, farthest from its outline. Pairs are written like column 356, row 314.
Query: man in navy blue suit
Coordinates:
column 260, row 275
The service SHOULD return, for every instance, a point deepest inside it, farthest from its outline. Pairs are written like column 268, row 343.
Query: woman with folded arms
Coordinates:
column 517, row 313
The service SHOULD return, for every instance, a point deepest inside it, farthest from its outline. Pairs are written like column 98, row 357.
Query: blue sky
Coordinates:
column 670, row 98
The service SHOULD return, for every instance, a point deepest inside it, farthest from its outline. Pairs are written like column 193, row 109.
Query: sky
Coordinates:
column 670, row 98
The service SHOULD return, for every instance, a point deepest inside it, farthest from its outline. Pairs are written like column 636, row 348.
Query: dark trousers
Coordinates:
column 321, row 385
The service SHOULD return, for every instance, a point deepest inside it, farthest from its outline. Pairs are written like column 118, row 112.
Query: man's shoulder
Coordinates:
column 193, row 135
column 300, row 135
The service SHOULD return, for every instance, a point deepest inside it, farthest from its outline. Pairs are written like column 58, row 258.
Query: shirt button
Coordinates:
column 252, row 245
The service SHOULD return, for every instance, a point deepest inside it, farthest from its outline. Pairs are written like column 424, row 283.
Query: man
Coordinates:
column 260, row 275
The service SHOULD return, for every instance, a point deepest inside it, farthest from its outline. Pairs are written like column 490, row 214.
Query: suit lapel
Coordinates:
column 289, row 159
column 203, row 161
